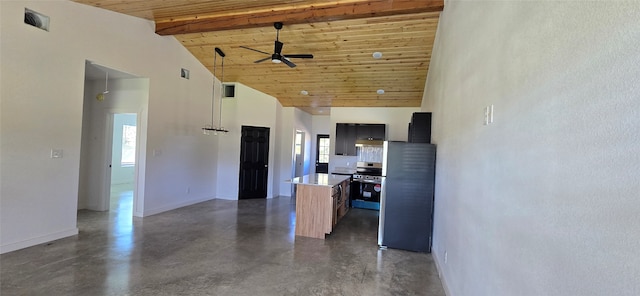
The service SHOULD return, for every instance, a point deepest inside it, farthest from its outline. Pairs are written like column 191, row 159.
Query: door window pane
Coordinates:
column 323, row 151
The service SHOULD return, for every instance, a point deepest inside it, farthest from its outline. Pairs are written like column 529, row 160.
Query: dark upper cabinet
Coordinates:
column 348, row 133
column 371, row 132
column 420, row 127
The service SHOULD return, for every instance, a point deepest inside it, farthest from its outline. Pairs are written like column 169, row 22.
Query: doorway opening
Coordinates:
column 299, row 153
column 298, row 159
column 112, row 142
column 123, row 163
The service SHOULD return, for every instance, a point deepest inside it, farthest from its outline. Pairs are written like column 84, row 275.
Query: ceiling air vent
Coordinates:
column 36, row 19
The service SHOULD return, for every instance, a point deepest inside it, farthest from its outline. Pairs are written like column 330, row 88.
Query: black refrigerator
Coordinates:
column 406, row 201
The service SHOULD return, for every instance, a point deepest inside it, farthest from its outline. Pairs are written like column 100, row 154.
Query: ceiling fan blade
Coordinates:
column 262, row 60
column 278, row 47
column 260, row 51
column 288, row 62
column 299, row 56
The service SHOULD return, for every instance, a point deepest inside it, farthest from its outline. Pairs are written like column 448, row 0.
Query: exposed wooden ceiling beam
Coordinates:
column 296, row 15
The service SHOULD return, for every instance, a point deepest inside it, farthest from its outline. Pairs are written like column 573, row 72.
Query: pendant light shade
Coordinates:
column 211, row 128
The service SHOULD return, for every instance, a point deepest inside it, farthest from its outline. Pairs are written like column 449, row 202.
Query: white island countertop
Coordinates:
column 319, row 180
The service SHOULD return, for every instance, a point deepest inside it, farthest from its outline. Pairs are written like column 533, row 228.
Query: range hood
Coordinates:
column 363, row 143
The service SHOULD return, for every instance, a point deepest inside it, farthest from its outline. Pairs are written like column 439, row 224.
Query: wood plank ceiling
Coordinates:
column 341, row 35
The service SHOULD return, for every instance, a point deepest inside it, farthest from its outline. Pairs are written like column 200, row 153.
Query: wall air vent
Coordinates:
column 184, row 73
column 36, row 19
column 229, row 90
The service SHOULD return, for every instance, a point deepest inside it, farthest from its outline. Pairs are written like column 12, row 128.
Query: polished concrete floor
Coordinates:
column 217, row 247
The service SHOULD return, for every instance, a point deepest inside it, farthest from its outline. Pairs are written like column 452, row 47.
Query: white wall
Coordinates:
column 251, row 108
column 544, row 201
column 42, row 81
column 396, row 119
column 284, row 163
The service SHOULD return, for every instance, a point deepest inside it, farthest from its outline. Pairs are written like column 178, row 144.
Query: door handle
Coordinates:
column 265, row 165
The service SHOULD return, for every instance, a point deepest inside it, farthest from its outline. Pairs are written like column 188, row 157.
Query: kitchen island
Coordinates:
column 321, row 201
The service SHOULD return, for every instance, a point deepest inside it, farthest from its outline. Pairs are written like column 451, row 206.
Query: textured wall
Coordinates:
column 545, row 200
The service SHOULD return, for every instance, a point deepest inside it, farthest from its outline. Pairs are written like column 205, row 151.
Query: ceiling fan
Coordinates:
column 277, row 56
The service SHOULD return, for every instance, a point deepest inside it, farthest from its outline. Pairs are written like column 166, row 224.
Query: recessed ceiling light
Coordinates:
column 377, row 55
column 380, row 91
column 304, row 92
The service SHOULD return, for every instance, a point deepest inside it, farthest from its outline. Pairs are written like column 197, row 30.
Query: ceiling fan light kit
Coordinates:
column 210, row 128
column 277, row 57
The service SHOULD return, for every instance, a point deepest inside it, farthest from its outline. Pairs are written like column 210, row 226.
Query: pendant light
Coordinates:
column 211, row 128
column 100, row 96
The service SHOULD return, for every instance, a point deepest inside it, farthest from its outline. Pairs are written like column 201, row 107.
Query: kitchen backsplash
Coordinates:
column 342, row 163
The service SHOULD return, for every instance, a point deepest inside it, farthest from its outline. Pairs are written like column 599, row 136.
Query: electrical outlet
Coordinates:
column 188, row 190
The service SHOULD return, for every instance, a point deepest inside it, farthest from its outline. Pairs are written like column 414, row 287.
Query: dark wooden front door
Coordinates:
column 254, row 162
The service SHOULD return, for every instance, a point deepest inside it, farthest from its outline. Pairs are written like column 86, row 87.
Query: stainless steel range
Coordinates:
column 368, row 177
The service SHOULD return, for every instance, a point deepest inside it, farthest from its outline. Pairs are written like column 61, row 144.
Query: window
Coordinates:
column 128, row 145
column 298, row 143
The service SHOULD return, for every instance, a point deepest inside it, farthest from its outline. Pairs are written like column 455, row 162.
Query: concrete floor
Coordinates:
column 217, row 247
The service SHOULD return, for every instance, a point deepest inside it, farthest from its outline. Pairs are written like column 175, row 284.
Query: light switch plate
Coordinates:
column 56, row 153
column 491, row 113
column 488, row 115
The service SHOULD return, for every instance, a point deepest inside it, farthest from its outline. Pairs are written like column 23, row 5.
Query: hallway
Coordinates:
column 218, row 247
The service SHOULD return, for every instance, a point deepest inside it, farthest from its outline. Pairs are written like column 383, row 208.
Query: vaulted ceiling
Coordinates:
column 341, row 35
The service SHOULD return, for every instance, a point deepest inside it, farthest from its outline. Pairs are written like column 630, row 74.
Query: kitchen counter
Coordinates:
column 319, row 180
column 321, row 201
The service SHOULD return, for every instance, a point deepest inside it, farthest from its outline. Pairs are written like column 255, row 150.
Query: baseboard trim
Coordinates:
column 10, row 247
column 443, row 279
column 174, row 206
column 227, row 198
